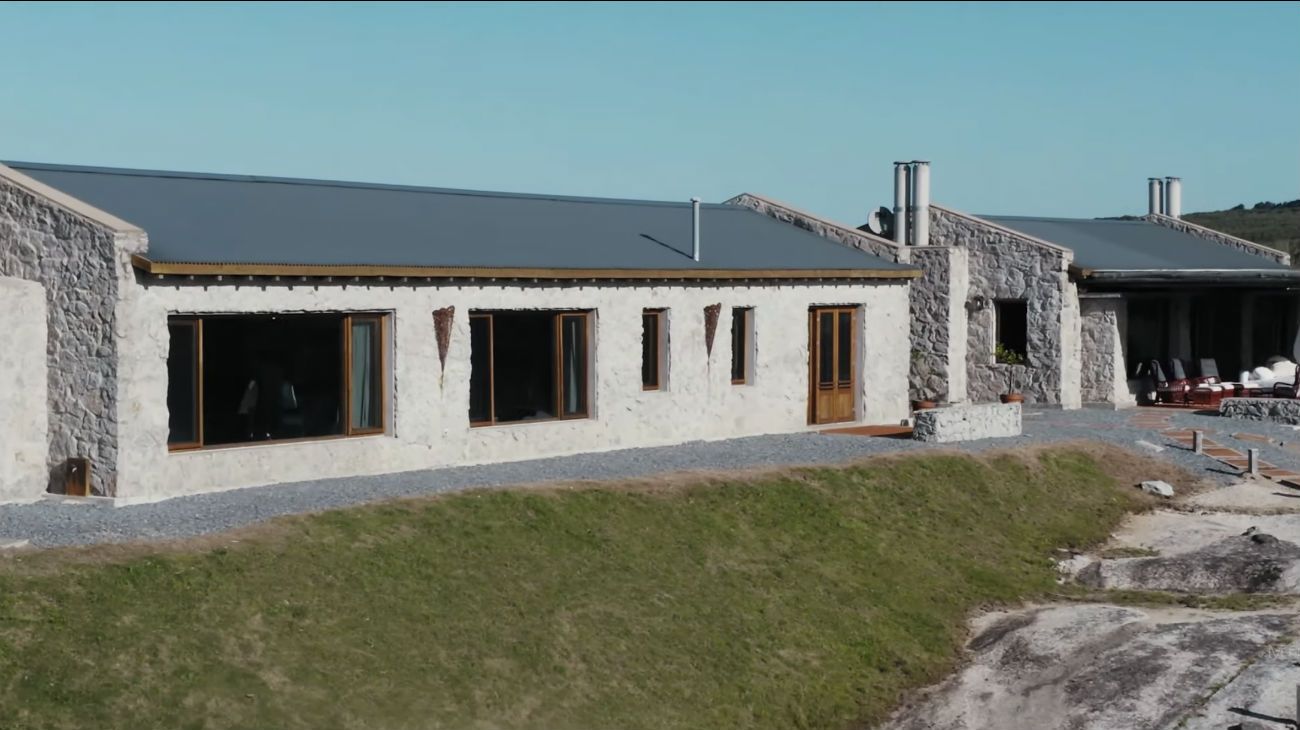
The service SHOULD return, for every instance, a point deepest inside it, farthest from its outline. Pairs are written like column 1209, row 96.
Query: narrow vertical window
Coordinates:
column 183, row 376
column 654, row 348
column 480, row 368
column 365, row 370
column 1012, row 332
column 742, row 319
column 573, row 365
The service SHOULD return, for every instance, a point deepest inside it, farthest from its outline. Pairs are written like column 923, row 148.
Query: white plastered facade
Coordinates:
column 23, row 389
column 428, row 419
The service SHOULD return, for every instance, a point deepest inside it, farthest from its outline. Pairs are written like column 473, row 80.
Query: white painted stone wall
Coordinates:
column 968, row 422
column 1071, row 345
column 24, row 424
column 429, row 425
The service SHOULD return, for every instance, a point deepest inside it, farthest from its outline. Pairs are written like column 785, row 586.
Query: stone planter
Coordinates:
column 923, row 405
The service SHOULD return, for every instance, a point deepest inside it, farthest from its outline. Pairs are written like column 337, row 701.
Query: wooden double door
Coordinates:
column 833, row 367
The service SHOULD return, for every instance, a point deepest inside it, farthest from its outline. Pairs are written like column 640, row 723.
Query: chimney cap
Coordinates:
column 920, row 162
column 695, row 200
column 1173, row 178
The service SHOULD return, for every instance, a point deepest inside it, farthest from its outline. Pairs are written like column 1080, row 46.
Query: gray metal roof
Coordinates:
column 226, row 219
column 1127, row 245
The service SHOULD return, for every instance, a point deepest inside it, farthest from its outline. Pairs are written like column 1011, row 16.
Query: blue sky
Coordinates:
column 1051, row 109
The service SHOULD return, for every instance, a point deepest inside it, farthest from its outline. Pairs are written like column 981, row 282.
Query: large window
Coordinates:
column 742, row 344
column 528, row 366
column 1012, row 331
column 247, row 378
column 654, row 348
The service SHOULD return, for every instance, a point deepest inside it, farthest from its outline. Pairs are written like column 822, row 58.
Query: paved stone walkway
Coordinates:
column 1160, row 421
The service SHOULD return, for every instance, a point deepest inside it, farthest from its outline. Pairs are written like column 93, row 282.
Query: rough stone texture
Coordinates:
column 1210, row 234
column 1103, row 379
column 850, row 237
column 1007, row 265
column 1278, row 410
column 1236, row 564
column 1093, row 667
column 929, row 299
column 429, row 426
column 24, row 432
column 967, row 422
column 78, row 263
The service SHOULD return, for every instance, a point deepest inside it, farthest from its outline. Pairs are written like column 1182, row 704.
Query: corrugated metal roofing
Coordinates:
column 1117, row 245
column 226, row 219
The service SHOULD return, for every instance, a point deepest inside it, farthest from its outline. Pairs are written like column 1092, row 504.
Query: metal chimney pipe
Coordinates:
column 1173, row 197
column 1154, row 191
column 902, row 176
column 921, row 217
column 695, row 229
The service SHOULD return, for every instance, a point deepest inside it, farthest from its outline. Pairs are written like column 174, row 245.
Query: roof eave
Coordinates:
column 1186, row 276
column 167, row 268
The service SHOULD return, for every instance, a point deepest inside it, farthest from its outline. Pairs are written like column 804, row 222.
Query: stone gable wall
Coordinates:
column 930, row 374
column 1210, row 234
column 887, row 250
column 1005, row 265
column 77, row 262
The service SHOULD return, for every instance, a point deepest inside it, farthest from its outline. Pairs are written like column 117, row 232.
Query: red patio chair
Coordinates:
column 1167, row 390
column 1288, row 390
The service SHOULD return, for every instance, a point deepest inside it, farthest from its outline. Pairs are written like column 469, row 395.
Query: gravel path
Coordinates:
column 51, row 524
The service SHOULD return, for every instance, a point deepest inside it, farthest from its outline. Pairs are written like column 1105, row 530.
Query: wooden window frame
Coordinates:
column 557, row 321
column 196, row 324
column 492, row 374
column 747, row 352
column 661, row 347
column 382, row 365
column 345, row 322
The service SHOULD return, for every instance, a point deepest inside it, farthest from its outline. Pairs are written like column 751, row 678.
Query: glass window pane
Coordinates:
column 573, row 361
column 650, row 350
column 845, row 369
column 182, row 383
column 739, row 344
column 480, row 369
column 366, row 400
column 825, row 348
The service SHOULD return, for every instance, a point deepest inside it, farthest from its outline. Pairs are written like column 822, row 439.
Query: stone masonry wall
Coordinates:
column 1102, row 356
column 77, row 262
column 1278, row 410
column 929, row 297
column 1210, row 234
column 875, row 245
column 1006, row 265
column 968, row 422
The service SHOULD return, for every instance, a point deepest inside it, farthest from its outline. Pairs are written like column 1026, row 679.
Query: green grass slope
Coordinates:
column 807, row 599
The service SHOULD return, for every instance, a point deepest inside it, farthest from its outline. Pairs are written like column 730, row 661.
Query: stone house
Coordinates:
column 1064, row 311
column 175, row 333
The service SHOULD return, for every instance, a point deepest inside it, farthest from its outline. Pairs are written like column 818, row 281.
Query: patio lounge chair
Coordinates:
column 1206, row 389
column 1287, row 388
column 1167, row 390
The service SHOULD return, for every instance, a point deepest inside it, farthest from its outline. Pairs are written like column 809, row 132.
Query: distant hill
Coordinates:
column 1271, row 224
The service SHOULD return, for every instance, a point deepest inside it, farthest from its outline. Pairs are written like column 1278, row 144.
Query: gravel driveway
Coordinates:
column 51, row 524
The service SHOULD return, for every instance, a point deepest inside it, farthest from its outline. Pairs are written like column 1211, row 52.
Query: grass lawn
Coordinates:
column 802, row 599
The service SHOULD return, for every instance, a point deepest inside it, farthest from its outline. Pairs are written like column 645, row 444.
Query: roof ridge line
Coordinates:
column 276, row 180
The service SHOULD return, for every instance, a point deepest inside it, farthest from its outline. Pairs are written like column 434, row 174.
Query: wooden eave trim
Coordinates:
column 463, row 272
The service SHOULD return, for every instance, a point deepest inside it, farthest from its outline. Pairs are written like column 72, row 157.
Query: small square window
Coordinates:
column 1012, row 332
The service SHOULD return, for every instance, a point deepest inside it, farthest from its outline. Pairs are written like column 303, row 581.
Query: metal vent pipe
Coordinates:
column 921, row 216
column 1155, row 200
column 902, row 176
column 695, row 229
column 1173, row 197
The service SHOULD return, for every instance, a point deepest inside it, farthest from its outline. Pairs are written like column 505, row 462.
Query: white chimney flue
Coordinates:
column 695, row 229
column 902, row 178
column 921, row 203
column 1173, row 197
column 1155, row 199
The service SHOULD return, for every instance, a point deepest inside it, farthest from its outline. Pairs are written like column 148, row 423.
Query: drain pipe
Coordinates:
column 695, row 232
column 902, row 176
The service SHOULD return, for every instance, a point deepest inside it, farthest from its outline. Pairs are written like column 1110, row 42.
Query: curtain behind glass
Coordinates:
column 366, row 401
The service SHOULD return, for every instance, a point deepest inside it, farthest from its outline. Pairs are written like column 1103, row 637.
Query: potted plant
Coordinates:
column 1010, row 358
column 921, row 367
